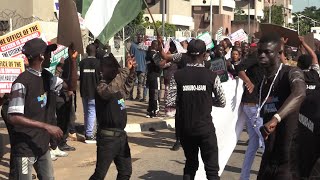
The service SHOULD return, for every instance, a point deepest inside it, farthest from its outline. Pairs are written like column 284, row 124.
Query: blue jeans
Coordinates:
column 255, row 139
column 89, row 110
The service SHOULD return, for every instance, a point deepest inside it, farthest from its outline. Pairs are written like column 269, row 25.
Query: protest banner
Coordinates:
column 10, row 68
column 179, row 47
column 239, row 35
column 229, row 123
column 60, row 53
column 220, row 68
column 207, row 39
column 11, row 43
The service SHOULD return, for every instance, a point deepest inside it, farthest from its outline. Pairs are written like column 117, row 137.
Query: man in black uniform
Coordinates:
column 153, row 78
column 89, row 78
column 112, row 142
column 308, row 144
column 28, row 121
column 195, row 85
column 282, row 91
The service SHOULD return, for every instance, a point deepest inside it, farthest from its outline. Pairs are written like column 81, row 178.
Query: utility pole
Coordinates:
column 163, row 14
column 270, row 9
column 249, row 23
column 211, row 17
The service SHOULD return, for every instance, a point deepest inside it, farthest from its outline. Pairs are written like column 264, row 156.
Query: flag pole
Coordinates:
column 154, row 23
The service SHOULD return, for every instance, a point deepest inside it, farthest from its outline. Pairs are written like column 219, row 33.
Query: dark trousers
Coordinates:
column 279, row 159
column 308, row 151
column 209, row 153
column 22, row 167
column 154, row 90
column 65, row 116
column 113, row 149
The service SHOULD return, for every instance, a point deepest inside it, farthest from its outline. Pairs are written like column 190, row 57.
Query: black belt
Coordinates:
column 112, row 133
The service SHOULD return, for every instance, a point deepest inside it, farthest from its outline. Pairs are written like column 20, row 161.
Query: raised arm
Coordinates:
column 123, row 82
column 72, row 84
column 315, row 64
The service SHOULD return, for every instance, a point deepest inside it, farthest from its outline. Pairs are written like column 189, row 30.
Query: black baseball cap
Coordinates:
column 37, row 46
column 196, row 47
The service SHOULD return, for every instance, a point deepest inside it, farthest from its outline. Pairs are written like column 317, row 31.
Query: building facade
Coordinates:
column 222, row 14
column 177, row 12
column 256, row 8
column 287, row 11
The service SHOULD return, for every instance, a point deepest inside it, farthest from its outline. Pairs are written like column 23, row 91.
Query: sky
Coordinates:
column 299, row 5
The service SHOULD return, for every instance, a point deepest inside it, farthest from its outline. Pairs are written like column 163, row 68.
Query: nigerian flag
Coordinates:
column 104, row 18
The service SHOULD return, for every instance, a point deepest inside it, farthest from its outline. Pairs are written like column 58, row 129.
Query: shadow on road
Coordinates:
column 238, row 170
column 160, row 175
column 155, row 139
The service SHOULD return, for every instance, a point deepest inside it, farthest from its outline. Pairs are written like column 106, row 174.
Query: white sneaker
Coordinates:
column 58, row 153
column 53, row 157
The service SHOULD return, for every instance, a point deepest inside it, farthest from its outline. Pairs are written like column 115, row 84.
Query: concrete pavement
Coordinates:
column 151, row 159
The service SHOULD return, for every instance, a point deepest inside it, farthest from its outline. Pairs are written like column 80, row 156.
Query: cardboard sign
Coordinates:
column 309, row 39
column 207, row 39
column 239, row 35
column 220, row 68
column 68, row 26
column 292, row 35
column 179, row 47
column 10, row 68
column 167, row 45
column 56, row 56
column 11, row 43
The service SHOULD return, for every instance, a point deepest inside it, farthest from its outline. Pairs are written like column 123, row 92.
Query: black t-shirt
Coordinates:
column 255, row 74
column 194, row 100
column 29, row 98
column 153, row 59
column 312, row 80
column 89, row 76
column 111, row 113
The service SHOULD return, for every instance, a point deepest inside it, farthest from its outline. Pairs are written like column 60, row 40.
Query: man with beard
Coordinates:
column 281, row 93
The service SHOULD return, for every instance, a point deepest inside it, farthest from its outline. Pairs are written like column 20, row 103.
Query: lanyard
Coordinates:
column 260, row 92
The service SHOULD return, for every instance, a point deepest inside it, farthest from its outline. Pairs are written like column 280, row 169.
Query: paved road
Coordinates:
column 152, row 159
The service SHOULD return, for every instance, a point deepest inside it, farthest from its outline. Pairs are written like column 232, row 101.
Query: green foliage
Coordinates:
column 305, row 23
column 138, row 20
column 277, row 16
column 239, row 15
column 169, row 29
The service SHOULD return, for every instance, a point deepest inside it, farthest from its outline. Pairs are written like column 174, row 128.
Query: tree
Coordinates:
column 305, row 24
column 169, row 29
column 239, row 15
column 277, row 16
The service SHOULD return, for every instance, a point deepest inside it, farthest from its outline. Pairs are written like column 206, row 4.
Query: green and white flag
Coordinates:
column 104, row 18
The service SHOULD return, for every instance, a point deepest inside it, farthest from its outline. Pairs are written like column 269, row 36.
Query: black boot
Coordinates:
column 176, row 146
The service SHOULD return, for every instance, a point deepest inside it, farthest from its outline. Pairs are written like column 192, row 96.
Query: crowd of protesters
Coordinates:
column 280, row 88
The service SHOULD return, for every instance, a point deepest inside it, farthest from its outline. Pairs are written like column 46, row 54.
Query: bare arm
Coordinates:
column 72, row 84
column 20, row 120
column 309, row 50
column 298, row 93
